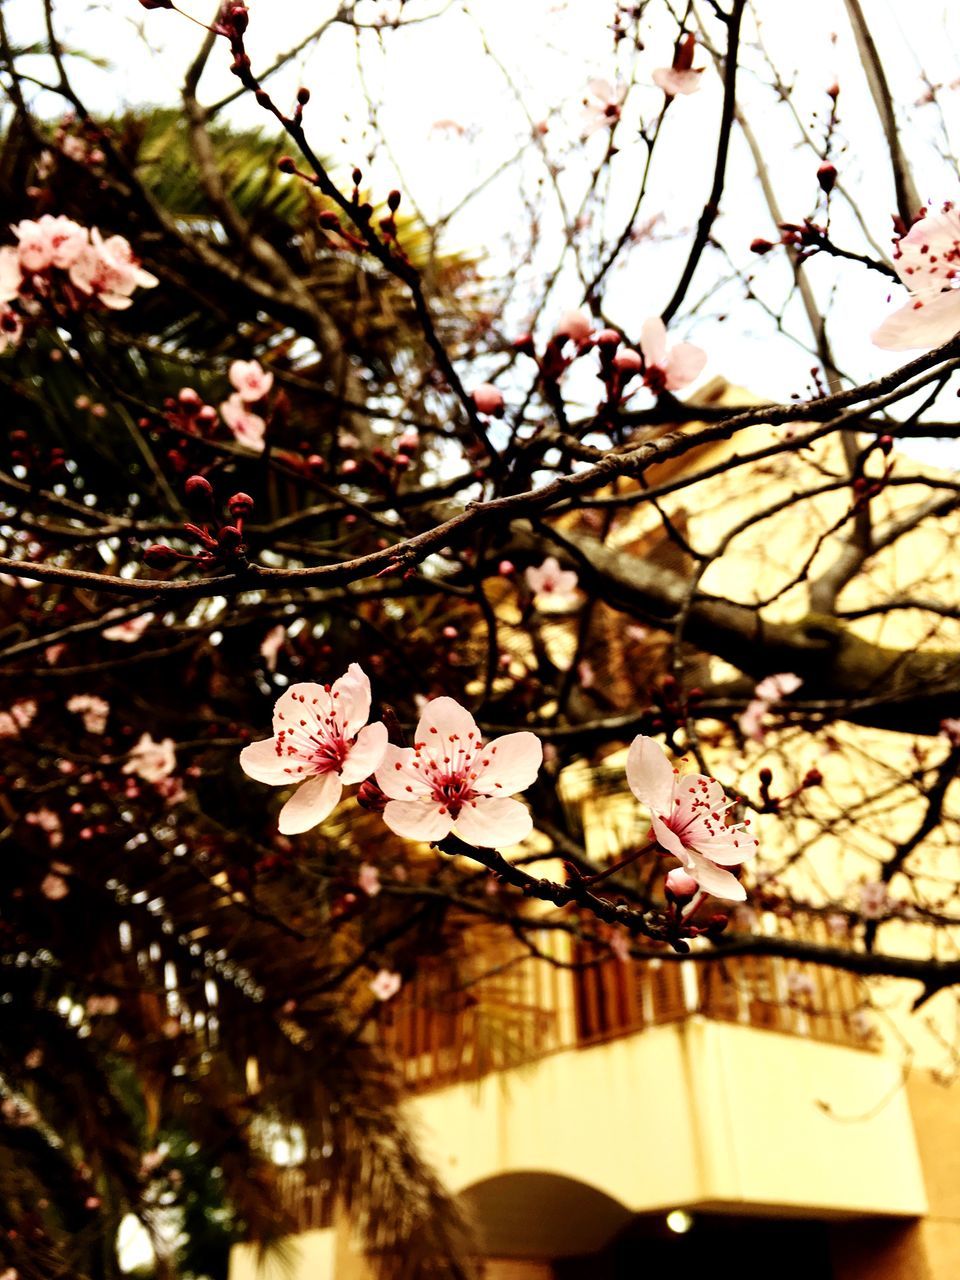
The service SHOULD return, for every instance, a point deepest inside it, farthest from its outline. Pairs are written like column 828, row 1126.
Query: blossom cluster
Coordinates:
column 57, row 250
column 451, row 781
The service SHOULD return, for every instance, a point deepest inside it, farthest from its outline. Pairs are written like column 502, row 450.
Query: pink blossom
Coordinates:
column 874, row 899
column 271, row 645
column 487, row 398
column 54, row 887
column 688, row 819
column 682, row 77
column 575, row 326
column 548, row 579
column 93, row 709
column 603, row 107
column 322, row 740
column 668, row 370
column 108, row 270
column 250, row 380
column 18, row 717
column 680, row 884
column 450, row 781
column 386, row 984
column 368, row 878
column 775, row 688
column 129, row 630
column 751, row 721
column 49, row 821
column 11, row 276
column 152, row 761
column 248, row 428
column 926, row 261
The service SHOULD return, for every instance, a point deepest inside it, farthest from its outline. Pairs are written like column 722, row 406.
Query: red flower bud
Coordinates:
column 760, row 245
column 393, row 201
column 157, row 4
column 287, row 164
column 814, row 778
column 827, row 176
column 199, row 488
column 158, row 556
column 230, row 538
column 370, row 797
column 240, row 504
column 303, row 95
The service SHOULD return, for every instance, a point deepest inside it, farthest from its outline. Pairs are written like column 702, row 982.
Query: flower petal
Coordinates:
column 509, row 764
column 653, row 341
column 668, row 839
column 713, row 880
column 301, row 707
column 684, row 363
column 366, row 753
column 396, row 775
column 417, row 819
column 310, row 803
column 650, row 774
column 444, row 720
column 351, row 699
column 263, row 763
column 729, row 847
column 493, row 823
column 921, row 323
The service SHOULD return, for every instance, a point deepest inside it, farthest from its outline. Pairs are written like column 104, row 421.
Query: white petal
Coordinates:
column 728, row 848
column 509, row 764
column 304, row 705
column 444, row 719
column 351, row 699
column 366, row 753
column 684, row 363
column 921, row 324
column 653, row 341
column 417, row 820
column 261, row 762
column 668, row 839
column 650, row 774
column 719, row 883
column 396, row 776
column 310, row 803
column 493, row 824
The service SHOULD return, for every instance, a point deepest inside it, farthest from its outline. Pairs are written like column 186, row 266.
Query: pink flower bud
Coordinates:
column 506, row 568
column 198, row 488
column 628, row 361
column 487, row 398
column 575, row 326
column 158, row 556
column 827, row 176
column 239, row 505
column 680, row 885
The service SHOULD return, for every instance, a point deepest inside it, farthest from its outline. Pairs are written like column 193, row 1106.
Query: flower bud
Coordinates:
column 680, row 885
column 158, row 556
column 230, row 538
column 287, row 164
column 393, row 201
column 303, row 95
column 199, row 488
column 239, row 505
column 827, row 176
column 628, row 361
column 814, row 778
column 487, row 398
column 157, row 4
column 189, row 398
column 370, row 797
column 761, row 246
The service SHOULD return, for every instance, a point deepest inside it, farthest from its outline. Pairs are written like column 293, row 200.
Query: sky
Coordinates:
column 495, row 68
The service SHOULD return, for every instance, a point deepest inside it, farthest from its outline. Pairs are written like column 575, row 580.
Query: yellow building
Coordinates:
column 603, row 1118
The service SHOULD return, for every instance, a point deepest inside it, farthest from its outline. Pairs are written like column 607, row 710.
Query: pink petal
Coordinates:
column 396, row 776
column 653, row 341
column 366, row 753
column 443, row 719
column 307, row 702
column 714, row 880
column 729, row 848
column 417, row 820
column 351, row 699
column 668, row 839
column 916, row 326
column 684, row 363
column 261, row 762
column 673, row 82
column 494, row 823
column 602, row 89
column 310, row 803
column 773, row 688
column 751, row 721
column 650, row 774
column 515, row 761
column 927, row 252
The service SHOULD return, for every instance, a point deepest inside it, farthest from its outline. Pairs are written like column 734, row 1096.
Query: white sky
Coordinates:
column 439, row 70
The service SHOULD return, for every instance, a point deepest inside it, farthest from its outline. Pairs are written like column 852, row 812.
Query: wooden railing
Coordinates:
column 508, row 1007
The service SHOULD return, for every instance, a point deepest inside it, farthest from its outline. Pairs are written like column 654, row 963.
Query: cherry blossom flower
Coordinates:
column 11, row 275
column 250, row 380
column 450, row 781
column 152, row 761
column 487, row 398
column 668, row 370
column 130, row 630
column 603, row 108
column 549, row 580
column 386, row 984
column 682, row 77
column 688, row 819
column 271, row 644
column 575, row 326
column 752, row 719
column 322, row 740
column 770, row 690
column 108, row 270
column 368, row 878
column 926, row 260
column 50, row 242
column 93, row 709
column 248, row 428
column 18, row 717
